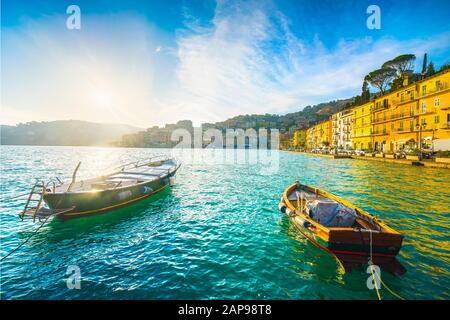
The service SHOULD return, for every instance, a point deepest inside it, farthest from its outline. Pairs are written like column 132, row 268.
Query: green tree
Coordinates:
column 424, row 65
column 381, row 78
column 430, row 69
column 444, row 67
column 402, row 64
column 365, row 92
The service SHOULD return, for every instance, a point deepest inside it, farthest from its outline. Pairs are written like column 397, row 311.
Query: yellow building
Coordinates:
column 323, row 131
column 434, row 110
column 299, row 139
column 362, row 126
column 402, row 117
column 310, row 138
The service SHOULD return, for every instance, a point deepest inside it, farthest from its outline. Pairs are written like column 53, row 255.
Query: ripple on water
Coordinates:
column 217, row 234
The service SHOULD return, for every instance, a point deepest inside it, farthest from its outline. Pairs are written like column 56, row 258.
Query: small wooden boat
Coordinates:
column 340, row 228
column 131, row 183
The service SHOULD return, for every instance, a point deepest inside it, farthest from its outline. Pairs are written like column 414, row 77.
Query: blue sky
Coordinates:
column 152, row 62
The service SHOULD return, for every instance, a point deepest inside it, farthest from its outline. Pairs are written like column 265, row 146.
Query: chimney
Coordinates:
column 405, row 80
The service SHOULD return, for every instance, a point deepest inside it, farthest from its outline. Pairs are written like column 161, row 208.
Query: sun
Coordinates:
column 102, row 99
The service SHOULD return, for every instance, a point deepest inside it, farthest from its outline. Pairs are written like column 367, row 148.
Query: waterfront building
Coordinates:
column 362, row 126
column 310, row 142
column 434, row 106
column 299, row 139
column 323, row 133
column 341, row 136
column 417, row 111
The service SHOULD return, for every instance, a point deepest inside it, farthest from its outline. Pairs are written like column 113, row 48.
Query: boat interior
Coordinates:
column 328, row 212
column 128, row 176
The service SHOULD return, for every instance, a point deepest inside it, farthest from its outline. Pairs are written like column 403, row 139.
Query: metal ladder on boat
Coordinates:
column 36, row 196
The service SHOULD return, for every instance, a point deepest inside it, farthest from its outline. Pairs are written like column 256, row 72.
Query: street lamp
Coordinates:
column 419, row 128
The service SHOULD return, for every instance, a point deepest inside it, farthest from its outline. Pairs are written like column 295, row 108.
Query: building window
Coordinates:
column 392, row 126
column 436, row 119
column 424, row 107
column 437, row 102
column 401, row 125
column 411, row 125
column 423, row 121
column 424, row 89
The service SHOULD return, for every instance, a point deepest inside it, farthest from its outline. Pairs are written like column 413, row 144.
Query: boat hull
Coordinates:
column 351, row 242
column 92, row 202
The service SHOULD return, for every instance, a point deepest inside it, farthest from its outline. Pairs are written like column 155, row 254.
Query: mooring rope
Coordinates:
column 15, row 197
column 27, row 239
column 372, row 268
column 379, row 277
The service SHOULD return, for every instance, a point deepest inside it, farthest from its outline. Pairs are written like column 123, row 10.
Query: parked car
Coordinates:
column 401, row 154
column 348, row 152
column 360, row 152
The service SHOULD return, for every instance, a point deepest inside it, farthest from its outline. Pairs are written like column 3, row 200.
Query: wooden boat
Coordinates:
column 340, row 228
column 131, row 183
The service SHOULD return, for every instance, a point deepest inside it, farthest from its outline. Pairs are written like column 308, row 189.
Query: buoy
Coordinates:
column 282, row 207
column 303, row 222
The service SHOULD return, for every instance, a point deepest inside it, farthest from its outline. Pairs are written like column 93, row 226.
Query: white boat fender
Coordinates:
column 303, row 222
column 289, row 212
column 172, row 181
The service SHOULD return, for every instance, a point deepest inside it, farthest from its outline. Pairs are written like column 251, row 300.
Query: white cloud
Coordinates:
column 249, row 61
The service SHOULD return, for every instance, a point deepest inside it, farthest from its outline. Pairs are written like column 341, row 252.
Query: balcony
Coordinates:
column 382, row 107
column 397, row 116
column 441, row 87
column 409, row 98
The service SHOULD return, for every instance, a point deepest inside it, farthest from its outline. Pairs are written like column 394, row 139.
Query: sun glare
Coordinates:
column 102, row 99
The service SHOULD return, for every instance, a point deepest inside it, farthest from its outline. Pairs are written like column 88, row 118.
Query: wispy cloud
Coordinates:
column 249, row 61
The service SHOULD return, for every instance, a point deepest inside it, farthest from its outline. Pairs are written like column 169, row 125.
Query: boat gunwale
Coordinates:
column 169, row 173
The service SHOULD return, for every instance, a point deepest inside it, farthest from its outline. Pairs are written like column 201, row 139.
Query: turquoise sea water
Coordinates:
column 217, row 234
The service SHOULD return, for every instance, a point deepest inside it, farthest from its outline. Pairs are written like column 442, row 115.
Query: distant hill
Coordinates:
column 64, row 133
column 296, row 120
column 83, row 133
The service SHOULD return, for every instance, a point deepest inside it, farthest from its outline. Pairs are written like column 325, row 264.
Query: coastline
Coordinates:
column 427, row 164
